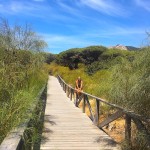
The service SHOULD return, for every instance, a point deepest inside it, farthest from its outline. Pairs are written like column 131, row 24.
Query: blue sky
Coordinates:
column 68, row 24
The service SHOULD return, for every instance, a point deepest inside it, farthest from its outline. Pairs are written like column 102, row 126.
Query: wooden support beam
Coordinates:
column 111, row 118
column 90, row 109
column 96, row 118
column 71, row 94
column 68, row 91
column 80, row 99
column 128, row 129
column 65, row 88
column 76, row 99
column 84, row 103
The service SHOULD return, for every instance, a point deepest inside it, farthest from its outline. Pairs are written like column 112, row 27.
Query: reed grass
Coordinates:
column 22, row 75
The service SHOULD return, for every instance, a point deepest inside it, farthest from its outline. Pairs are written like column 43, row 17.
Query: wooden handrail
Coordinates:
column 13, row 141
column 129, row 115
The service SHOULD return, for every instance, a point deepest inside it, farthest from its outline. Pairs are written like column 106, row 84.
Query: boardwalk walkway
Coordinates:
column 67, row 128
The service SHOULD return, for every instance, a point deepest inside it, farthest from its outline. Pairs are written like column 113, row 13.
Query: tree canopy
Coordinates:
column 19, row 37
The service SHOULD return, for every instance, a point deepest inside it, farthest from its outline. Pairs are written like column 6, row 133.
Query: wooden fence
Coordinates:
column 129, row 116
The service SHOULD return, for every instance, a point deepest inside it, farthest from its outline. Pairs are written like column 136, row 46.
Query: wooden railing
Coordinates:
column 129, row 116
column 15, row 139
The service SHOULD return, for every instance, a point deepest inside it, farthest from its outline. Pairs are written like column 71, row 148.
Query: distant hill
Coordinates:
column 132, row 48
column 122, row 47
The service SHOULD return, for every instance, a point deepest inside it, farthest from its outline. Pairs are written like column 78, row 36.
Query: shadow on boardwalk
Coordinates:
column 47, row 119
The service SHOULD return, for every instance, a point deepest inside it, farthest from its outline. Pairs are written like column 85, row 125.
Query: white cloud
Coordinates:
column 143, row 3
column 109, row 7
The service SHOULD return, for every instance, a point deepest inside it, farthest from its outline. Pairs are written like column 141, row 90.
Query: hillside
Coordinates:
column 93, row 57
column 122, row 47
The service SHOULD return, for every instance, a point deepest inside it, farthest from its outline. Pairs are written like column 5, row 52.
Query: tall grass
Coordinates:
column 130, row 86
column 22, row 75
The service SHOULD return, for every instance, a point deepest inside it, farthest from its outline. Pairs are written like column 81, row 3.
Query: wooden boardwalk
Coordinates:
column 67, row 128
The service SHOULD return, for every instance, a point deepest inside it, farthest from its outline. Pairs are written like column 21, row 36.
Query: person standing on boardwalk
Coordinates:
column 79, row 86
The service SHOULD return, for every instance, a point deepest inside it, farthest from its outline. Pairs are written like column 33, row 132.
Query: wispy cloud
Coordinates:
column 58, row 41
column 74, row 10
column 16, row 7
column 39, row 0
column 67, row 8
column 120, row 31
column 22, row 7
column 109, row 7
column 143, row 3
column 116, row 31
column 34, row 9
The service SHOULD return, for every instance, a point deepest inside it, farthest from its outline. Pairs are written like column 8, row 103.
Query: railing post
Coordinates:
column 76, row 99
column 63, row 86
column 71, row 94
column 90, row 108
column 68, row 91
column 96, row 117
column 128, row 129
column 83, row 106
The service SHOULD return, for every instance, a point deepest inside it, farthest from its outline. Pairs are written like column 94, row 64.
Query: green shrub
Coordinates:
column 131, row 83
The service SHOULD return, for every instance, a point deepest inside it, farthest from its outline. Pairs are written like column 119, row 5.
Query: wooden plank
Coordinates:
column 11, row 142
column 111, row 118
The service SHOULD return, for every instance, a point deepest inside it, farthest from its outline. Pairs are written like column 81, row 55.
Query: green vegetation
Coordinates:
column 94, row 64
column 121, row 77
column 131, row 83
column 22, row 74
column 73, row 57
